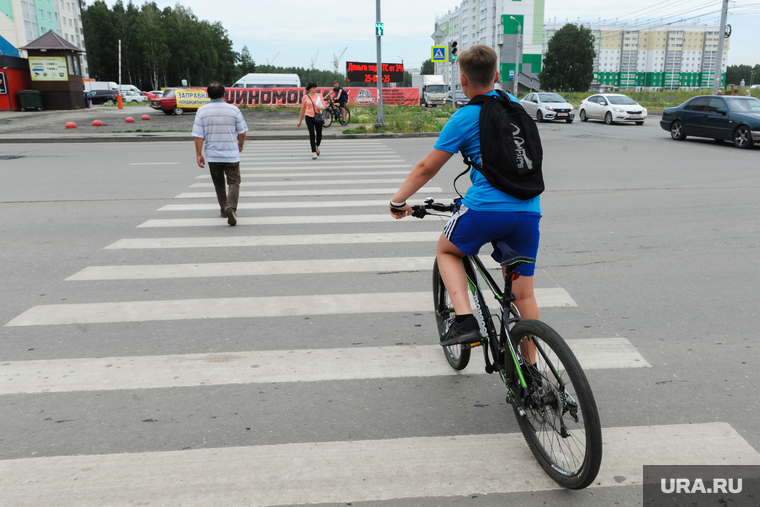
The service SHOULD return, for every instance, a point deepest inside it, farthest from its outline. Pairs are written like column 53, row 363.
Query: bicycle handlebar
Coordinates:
column 420, row 210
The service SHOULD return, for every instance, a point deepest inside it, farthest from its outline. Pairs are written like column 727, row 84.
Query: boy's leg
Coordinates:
column 452, row 271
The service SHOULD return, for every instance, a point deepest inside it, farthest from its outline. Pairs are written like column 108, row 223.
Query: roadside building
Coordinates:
column 654, row 57
column 23, row 21
column 495, row 23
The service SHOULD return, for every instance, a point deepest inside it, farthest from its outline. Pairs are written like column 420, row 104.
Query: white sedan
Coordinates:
column 548, row 106
column 130, row 96
column 612, row 108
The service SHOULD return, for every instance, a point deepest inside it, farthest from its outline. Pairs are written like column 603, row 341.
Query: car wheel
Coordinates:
column 539, row 116
column 743, row 137
column 569, row 120
column 608, row 118
column 639, row 123
column 582, row 115
column 177, row 110
column 676, row 131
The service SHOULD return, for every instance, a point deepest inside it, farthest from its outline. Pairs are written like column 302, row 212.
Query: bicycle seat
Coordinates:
column 511, row 258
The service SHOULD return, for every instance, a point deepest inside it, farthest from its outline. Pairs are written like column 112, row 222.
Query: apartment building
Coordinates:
column 654, row 57
column 22, row 21
column 496, row 23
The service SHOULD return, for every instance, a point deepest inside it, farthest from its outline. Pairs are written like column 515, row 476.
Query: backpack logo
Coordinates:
column 522, row 156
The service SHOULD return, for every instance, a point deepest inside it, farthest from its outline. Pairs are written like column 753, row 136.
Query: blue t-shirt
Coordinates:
column 462, row 133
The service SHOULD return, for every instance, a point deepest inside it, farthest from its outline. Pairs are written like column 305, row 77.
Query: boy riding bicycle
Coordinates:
column 485, row 215
column 341, row 97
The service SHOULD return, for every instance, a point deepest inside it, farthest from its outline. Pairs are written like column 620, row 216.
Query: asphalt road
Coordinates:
column 139, row 365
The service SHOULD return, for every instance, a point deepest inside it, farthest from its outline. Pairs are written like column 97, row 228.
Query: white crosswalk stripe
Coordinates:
column 349, row 471
column 291, row 205
column 280, row 174
column 309, row 193
column 246, row 307
column 307, row 182
column 278, row 220
column 267, row 366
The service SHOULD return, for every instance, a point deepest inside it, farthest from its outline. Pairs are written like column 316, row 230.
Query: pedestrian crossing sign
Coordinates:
column 439, row 53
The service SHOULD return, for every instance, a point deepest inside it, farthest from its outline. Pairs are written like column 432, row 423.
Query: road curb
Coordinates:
column 132, row 138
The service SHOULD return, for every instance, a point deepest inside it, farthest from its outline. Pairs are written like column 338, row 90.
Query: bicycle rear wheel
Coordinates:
column 457, row 355
column 561, row 425
column 348, row 117
column 328, row 114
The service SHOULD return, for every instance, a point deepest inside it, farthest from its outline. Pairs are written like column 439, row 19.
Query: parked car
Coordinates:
column 158, row 93
column 167, row 103
column 612, row 108
column 101, row 96
column 457, row 98
column 131, row 96
column 151, row 95
column 723, row 118
column 548, row 106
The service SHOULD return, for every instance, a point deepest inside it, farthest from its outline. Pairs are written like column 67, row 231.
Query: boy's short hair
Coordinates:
column 215, row 90
column 336, row 83
column 479, row 63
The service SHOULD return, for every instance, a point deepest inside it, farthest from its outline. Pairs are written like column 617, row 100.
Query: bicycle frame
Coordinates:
column 497, row 347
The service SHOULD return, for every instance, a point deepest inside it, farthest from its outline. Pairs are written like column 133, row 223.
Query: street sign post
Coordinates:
column 439, row 53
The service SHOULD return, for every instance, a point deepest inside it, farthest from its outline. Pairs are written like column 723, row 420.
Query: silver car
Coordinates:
column 612, row 108
column 548, row 106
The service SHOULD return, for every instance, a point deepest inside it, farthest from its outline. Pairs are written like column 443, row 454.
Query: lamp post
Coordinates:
column 517, row 53
column 751, row 78
column 379, row 121
column 403, row 73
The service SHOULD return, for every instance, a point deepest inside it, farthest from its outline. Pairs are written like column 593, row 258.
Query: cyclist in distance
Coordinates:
column 485, row 215
column 341, row 97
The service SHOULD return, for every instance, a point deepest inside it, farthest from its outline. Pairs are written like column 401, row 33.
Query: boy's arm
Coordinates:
column 421, row 174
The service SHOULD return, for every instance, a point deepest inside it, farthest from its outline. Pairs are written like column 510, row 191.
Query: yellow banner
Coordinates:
column 48, row 68
column 191, row 99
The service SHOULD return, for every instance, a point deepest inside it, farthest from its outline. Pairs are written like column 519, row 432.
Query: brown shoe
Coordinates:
column 231, row 218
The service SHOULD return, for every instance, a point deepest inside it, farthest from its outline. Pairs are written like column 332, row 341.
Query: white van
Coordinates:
column 268, row 81
column 100, row 85
column 129, row 88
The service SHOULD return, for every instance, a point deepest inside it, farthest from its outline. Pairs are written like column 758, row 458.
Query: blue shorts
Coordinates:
column 469, row 230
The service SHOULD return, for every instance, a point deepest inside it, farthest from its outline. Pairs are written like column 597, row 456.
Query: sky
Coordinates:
column 295, row 33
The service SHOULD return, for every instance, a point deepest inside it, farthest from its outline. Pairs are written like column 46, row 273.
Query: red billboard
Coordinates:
column 292, row 97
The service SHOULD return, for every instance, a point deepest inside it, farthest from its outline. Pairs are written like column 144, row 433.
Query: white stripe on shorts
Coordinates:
column 448, row 229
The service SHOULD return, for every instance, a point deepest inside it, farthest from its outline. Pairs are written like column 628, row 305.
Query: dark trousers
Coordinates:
column 312, row 127
column 218, row 171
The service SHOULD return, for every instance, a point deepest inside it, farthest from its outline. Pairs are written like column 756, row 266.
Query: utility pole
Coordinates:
column 379, row 28
column 719, row 56
column 517, row 55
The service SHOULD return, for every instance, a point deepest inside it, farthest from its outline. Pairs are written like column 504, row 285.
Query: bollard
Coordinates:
column 145, row 117
column 120, row 101
column 71, row 125
column 130, row 119
column 97, row 123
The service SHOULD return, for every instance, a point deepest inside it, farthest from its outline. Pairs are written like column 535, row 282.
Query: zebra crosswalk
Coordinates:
column 277, row 253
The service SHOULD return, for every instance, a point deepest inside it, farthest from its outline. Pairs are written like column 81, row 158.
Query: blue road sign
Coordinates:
column 439, row 53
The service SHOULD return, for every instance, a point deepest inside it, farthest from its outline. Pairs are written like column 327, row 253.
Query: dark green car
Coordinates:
column 723, row 118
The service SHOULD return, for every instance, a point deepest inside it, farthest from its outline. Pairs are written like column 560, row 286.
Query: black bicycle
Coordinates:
column 546, row 386
column 332, row 112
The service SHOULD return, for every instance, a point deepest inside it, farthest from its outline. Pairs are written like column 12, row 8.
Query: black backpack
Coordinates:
column 510, row 147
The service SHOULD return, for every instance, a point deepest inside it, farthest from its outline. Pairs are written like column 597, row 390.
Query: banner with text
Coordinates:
column 292, row 97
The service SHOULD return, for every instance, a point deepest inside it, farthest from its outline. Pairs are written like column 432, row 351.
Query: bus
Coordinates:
column 268, row 81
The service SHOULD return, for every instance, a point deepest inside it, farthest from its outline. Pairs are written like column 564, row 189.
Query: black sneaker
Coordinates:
column 466, row 332
column 231, row 218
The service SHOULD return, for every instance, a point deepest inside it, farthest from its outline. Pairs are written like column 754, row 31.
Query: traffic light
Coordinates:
column 379, row 29
column 453, row 50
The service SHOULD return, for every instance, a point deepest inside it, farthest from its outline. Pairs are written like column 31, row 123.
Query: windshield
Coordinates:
column 737, row 105
column 436, row 88
column 621, row 100
column 551, row 97
column 168, row 93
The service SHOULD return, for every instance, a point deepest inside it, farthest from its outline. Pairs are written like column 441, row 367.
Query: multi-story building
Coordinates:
column 496, row 23
column 22, row 21
column 654, row 57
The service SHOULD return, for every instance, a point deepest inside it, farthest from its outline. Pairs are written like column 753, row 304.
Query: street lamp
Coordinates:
column 517, row 53
column 751, row 78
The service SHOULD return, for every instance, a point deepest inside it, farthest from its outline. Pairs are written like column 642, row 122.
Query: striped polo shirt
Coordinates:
column 219, row 124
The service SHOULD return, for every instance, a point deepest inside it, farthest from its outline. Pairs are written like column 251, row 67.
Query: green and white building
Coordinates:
column 495, row 23
column 654, row 57
column 22, row 21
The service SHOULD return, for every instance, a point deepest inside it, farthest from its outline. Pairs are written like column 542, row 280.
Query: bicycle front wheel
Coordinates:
column 328, row 114
column 561, row 425
column 457, row 355
column 348, row 117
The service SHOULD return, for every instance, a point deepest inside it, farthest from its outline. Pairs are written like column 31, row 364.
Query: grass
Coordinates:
column 398, row 119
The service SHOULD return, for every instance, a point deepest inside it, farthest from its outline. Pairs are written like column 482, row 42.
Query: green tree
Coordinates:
column 407, row 79
column 245, row 64
column 735, row 74
column 428, row 67
column 569, row 61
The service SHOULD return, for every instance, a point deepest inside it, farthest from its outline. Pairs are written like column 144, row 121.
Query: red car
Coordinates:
column 167, row 103
column 150, row 96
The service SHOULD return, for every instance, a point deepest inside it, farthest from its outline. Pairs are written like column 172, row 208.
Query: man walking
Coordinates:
column 223, row 128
